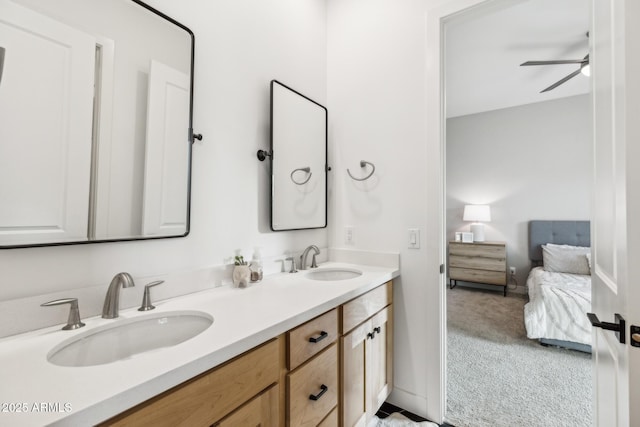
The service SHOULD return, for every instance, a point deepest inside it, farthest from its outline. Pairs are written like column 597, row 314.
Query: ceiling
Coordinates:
column 485, row 47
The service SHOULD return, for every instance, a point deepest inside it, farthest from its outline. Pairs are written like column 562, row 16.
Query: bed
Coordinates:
column 559, row 300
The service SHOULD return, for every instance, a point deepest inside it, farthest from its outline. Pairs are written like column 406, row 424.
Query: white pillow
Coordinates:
column 588, row 255
column 565, row 259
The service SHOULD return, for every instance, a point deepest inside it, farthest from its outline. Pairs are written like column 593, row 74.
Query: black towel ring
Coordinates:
column 305, row 169
column 363, row 163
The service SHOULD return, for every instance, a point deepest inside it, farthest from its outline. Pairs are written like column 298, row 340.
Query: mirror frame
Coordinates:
column 190, row 140
column 326, row 159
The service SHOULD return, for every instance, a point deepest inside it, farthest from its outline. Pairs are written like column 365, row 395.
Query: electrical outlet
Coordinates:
column 512, row 271
column 348, row 235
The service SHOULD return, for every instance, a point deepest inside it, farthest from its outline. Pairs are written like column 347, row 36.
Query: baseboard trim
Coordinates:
column 409, row 401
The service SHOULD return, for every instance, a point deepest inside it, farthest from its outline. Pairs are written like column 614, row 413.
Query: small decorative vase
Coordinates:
column 241, row 276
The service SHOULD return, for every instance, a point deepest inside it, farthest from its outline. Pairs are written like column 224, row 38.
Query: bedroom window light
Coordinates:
column 477, row 214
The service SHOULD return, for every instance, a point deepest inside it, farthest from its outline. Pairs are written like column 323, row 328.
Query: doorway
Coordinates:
column 500, row 133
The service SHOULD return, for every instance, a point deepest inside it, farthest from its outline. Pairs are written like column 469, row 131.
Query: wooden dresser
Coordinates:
column 479, row 262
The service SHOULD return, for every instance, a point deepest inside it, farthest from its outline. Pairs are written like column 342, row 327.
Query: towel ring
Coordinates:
column 305, row 169
column 363, row 163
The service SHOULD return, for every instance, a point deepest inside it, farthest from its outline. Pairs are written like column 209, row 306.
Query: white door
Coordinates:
column 166, row 173
column 615, row 60
column 45, row 142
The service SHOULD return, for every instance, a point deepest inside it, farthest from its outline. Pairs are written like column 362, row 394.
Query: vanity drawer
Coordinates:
column 311, row 338
column 319, row 377
column 207, row 398
column 331, row 420
column 360, row 309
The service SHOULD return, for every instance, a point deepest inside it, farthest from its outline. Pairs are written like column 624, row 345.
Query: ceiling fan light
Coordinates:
column 586, row 69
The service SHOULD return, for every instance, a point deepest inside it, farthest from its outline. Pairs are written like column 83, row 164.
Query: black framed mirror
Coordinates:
column 96, row 107
column 298, row 160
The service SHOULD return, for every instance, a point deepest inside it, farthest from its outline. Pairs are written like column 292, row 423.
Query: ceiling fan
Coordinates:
column 584, row 68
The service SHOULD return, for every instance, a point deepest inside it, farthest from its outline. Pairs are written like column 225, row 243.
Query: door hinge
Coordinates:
column 441, row 268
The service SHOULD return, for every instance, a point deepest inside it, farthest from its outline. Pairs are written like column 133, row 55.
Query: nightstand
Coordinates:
column 479, row 262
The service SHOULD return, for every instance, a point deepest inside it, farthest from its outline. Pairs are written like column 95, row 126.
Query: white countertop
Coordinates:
column 35, row 392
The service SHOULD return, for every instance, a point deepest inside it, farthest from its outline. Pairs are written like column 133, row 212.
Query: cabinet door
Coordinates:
column 379, row 361
column 262, row 411
column 211, row 396
column 353, row 380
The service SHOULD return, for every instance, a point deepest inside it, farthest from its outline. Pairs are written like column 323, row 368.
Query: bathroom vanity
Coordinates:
column 288, row 351
column 297, row 372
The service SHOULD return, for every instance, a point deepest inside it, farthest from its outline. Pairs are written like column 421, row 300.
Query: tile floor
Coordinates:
column 388, row 408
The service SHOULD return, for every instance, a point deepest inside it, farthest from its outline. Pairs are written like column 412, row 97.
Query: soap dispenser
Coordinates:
column 256, row 265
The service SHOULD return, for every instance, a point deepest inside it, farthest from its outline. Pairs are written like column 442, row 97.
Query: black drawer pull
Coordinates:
column 323, row 390
column 371, row 335
column 377, row 329
column 320, row 337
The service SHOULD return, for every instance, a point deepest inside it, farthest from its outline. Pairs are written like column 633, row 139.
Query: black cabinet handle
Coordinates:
column 323, row 390
column 320, row 337
column 373, row 332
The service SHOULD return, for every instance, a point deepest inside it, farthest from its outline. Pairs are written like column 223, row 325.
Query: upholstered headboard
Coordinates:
column 575, row 233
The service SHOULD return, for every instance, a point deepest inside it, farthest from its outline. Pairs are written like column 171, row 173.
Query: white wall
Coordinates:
column 376, row 101
column 528, row 162
column 240, row 47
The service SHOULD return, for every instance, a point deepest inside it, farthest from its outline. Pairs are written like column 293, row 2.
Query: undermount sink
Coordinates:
column 129, row 337
column 333, row 274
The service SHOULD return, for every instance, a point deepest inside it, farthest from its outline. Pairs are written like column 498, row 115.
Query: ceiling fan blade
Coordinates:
column 556, row 62
column 561, row 81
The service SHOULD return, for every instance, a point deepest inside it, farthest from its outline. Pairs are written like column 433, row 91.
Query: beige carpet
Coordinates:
column 498, row 377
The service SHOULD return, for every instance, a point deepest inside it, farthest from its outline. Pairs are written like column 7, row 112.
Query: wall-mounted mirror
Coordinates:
column 298, row 160
column 95, row 122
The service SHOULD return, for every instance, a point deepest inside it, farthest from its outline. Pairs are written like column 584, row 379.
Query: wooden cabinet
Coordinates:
column 380, row 361
column 334, row 370
column 367, row 355
column 261, row 411
column 480, row 262
column 312, row 390
column 312, row 337
column 209, row 397
column 312, row 384
column 331, row 420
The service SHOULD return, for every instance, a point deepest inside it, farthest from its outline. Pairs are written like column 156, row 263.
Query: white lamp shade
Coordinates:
column 477, row 213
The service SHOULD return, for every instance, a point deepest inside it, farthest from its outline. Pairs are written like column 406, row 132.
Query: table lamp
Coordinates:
column 477, row 214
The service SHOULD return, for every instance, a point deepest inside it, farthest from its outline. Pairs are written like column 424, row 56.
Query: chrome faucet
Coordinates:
column 146, row 298
column 303, row 257
column 112, row 300
column 73, row 322
column 293, row 264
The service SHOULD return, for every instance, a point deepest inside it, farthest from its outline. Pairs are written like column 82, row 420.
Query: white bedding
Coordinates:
column 557, row 307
